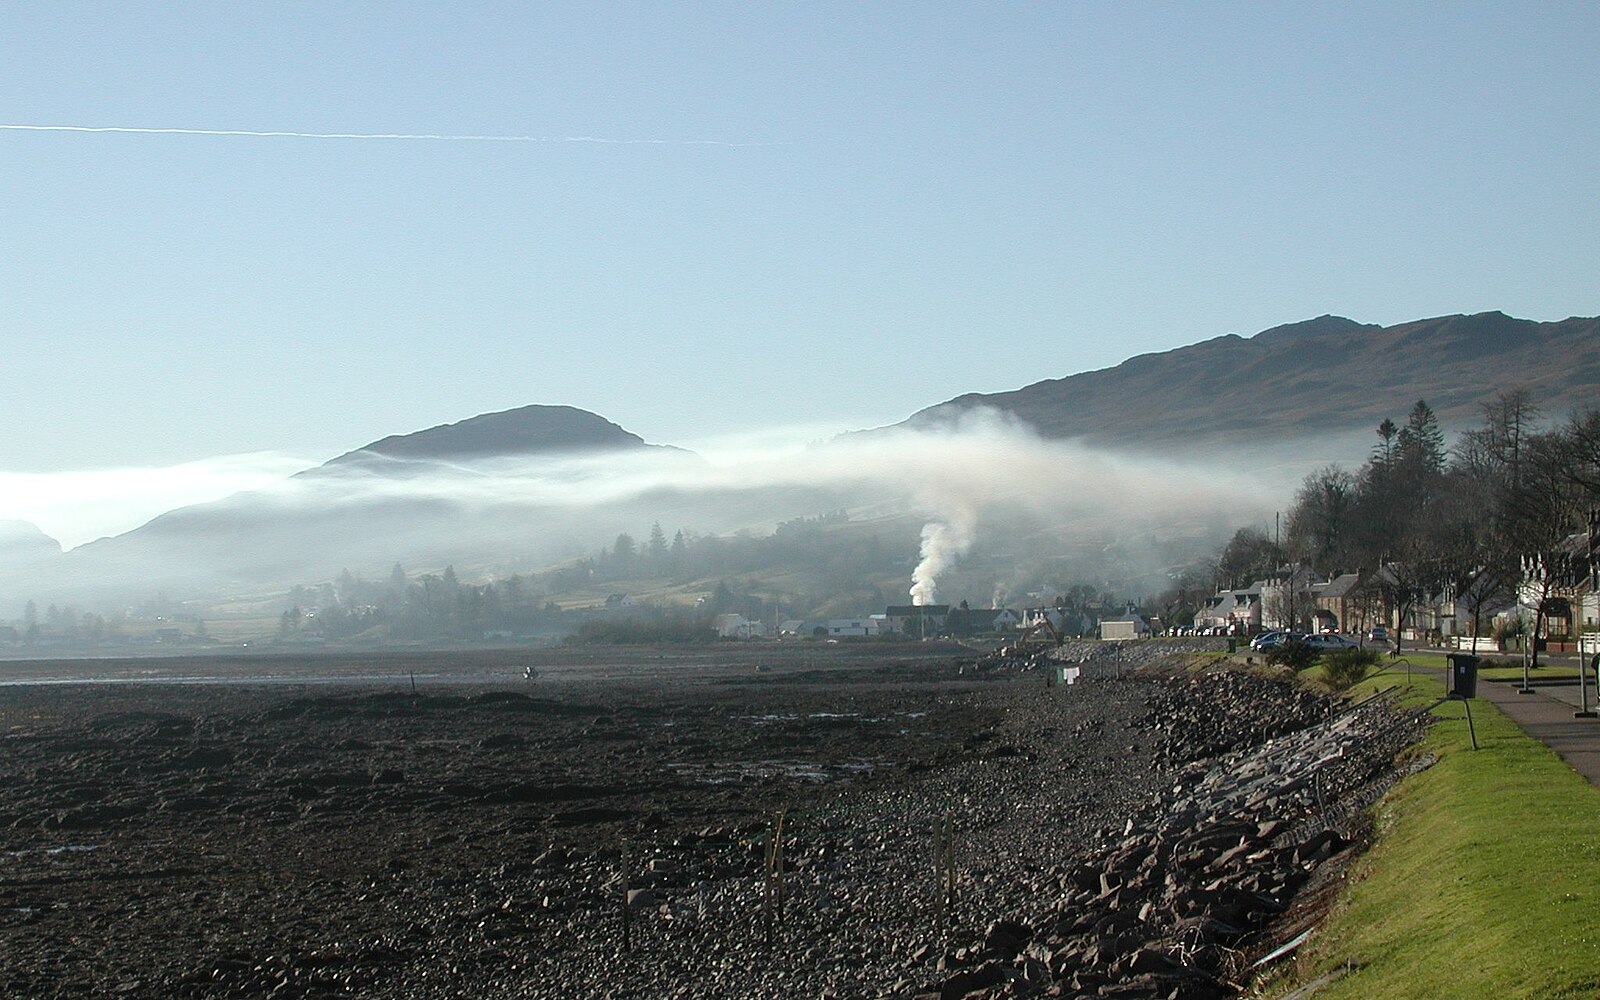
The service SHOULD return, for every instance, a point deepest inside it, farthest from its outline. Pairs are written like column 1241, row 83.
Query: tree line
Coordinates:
column 1469, row 524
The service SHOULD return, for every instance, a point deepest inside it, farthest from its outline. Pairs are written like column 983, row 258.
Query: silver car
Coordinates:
column 1328, row 641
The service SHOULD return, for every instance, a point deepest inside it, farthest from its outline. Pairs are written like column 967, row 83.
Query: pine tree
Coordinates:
column 1383, row 454
column 624, row 551
column 1422, row 442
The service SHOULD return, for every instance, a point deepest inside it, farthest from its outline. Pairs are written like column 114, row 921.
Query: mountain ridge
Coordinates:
column 1325, row 375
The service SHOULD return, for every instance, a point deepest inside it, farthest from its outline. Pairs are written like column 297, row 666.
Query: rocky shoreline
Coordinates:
column 942, row 834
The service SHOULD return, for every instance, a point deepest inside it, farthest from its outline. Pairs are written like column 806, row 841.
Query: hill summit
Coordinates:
column 526, row 430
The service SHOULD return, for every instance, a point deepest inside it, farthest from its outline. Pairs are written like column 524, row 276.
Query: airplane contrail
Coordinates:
column 415, row 136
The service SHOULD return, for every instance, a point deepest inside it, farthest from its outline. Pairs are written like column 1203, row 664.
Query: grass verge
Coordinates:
column 1544, row 672
column 1483, row 881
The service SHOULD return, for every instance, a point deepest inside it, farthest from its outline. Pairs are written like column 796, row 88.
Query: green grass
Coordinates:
column 1544, row 672
column 1484, row 880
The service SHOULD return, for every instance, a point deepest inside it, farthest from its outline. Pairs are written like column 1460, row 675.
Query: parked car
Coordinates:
column 1378, row 634
column 1266, row 640
column 1331, row 641
column 1272, row 640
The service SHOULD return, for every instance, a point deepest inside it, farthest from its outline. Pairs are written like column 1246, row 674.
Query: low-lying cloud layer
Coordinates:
column 969, row 484
column 78, row 507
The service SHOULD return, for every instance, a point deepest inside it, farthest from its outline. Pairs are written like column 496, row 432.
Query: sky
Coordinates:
column 727, row 218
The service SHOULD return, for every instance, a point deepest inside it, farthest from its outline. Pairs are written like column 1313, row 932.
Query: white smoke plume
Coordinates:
column 943, row 542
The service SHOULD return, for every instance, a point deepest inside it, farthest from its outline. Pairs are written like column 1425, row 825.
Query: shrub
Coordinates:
column 640, row 632
column 1294, row 654
column 1344, row 667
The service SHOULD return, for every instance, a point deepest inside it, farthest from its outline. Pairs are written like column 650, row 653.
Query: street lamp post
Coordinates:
column 1527, row 646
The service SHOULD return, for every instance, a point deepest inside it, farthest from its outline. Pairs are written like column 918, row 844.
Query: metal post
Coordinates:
column 1584, row 711
column 1594, row 664
column 1464, row 704
column 1527, row 648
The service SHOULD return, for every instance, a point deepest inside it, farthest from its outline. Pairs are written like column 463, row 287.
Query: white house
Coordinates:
column 1033, row 616
column 733, row 626
column 1235, row 610
column 1561, row 585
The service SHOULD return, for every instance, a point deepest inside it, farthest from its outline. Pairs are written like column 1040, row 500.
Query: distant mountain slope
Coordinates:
column 21, row 539
column 1328, row 375
column 24, row 549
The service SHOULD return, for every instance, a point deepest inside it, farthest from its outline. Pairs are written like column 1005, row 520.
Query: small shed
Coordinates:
column 1128, row 626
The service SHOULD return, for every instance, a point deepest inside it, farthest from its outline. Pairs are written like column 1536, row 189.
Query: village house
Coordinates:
column 1341, row 605
column 1033, row 617
column 1558, row 593
column 850, row 627
column 1069, row 618
column 1235, row 610
column 831, row 628
column 916, row 619
column 735, row 626
column 964, row 621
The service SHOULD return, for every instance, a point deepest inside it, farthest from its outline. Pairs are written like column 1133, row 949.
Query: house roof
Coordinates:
column 916, row 610
column 1339, row 586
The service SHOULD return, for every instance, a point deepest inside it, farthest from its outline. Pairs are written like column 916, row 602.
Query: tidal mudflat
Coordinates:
column 437, row 825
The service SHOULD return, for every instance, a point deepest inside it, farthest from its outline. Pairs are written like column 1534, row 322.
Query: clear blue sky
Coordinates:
column 900, row 203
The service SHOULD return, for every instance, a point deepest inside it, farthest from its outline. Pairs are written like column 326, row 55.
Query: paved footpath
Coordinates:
column 1547, row 712
column 1547, row 715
